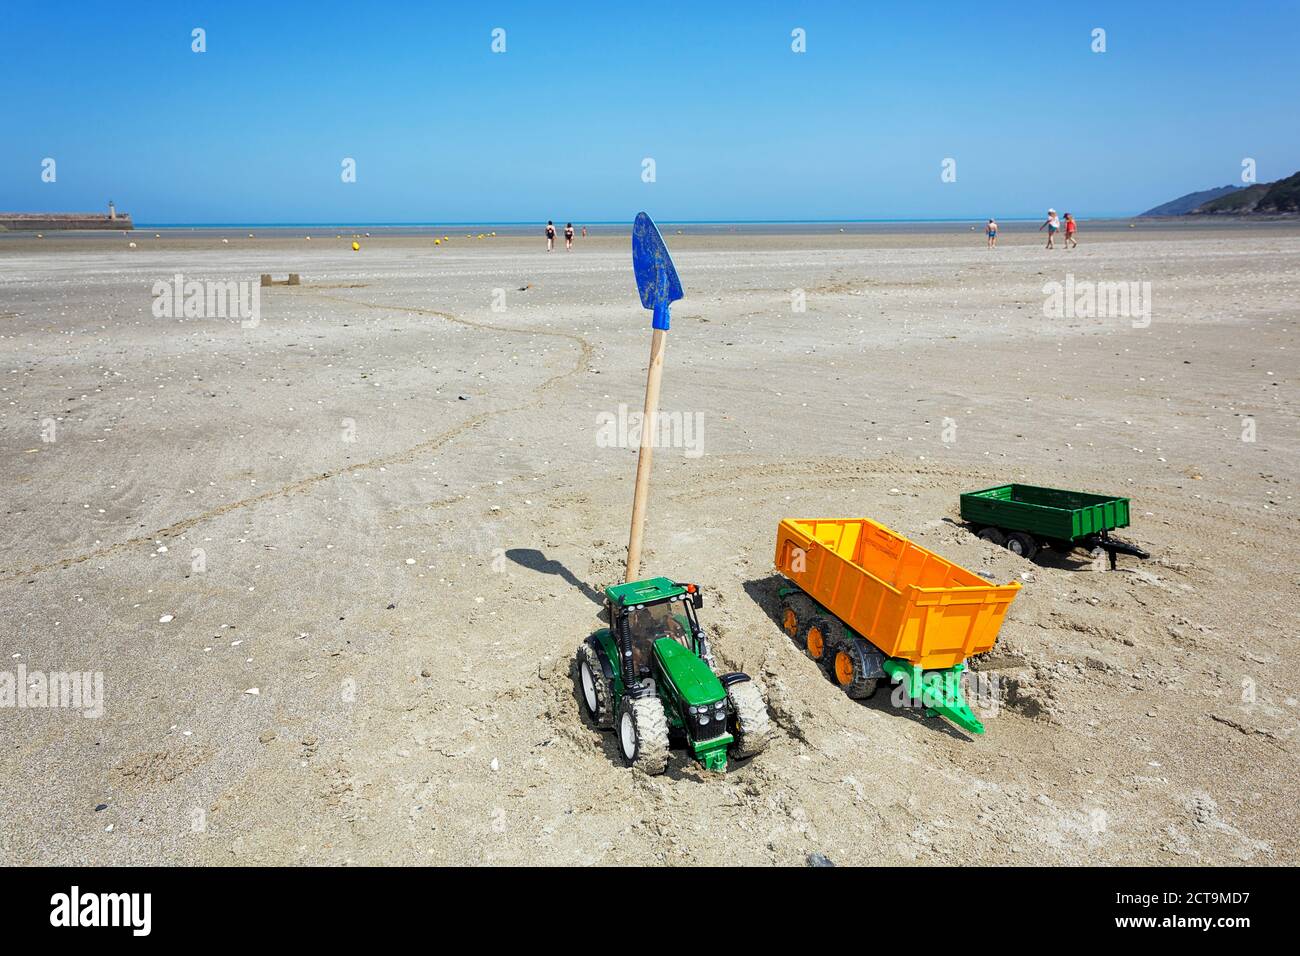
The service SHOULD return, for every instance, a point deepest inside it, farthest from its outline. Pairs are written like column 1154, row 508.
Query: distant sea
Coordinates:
column 705, row 227
column 776, row 227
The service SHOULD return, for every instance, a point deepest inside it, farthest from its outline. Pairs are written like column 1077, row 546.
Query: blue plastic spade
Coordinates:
column 656, row 277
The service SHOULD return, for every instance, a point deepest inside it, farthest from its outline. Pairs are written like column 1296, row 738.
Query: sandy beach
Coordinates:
column 333, row 565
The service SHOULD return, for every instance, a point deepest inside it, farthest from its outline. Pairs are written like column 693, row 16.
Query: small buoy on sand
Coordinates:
column 225, row 241
column 130, row 245
column 39, row 236
column 157, row 235
column 437, row 242
column 356, row 247
column 309, row 238
column 446, row 238
column 250, row 235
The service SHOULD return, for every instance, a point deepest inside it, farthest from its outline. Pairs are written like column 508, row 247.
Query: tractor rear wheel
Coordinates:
column 643, row 734
column 1022, row 544
column 846, row 668
column 594, row 690
column 749, row 721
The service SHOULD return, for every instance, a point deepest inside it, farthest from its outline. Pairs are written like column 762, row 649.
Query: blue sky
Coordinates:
column 740, row 127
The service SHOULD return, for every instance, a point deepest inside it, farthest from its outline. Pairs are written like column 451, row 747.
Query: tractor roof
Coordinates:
column 643, row 592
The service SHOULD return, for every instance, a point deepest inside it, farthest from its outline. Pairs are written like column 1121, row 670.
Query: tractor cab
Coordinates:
column 642, row 612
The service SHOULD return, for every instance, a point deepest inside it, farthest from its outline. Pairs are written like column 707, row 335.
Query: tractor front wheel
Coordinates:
column 593, row 688
column 994, row 536
column 749, row 721
column 643, row 734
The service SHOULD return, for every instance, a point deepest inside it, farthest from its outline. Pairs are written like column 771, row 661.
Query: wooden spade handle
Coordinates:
column 658, row 340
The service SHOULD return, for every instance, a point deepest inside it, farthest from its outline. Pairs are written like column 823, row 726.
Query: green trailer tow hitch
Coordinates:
column 938, row 690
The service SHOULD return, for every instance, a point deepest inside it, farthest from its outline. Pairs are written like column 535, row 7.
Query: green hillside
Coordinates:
column 1282, row 196
column 1186, row 204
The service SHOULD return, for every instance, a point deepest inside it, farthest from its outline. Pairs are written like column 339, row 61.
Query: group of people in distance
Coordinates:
column 1053, row 225
column 568, row 235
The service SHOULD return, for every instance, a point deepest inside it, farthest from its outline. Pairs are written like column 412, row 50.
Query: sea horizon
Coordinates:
column 534, row 223
column 606, row 228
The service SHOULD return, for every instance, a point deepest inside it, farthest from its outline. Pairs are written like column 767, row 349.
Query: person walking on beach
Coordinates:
column 991, row 230
column 1052, row 225
column 584, row 232
column 550, row 235
column 1071, row 226
column 568, row 236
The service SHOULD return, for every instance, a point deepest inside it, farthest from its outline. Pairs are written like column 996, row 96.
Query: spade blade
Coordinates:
column 656, row 277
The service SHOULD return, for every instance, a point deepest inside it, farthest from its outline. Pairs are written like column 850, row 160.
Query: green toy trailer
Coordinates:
column 651, row 676
column 1025, row 518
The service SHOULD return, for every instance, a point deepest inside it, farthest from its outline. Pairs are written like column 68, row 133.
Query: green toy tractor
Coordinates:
column 651, row 677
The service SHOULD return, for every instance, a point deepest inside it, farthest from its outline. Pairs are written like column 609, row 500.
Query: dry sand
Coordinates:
column 407, row 602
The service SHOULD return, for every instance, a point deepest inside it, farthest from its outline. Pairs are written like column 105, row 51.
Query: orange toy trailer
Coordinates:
column 869, row 603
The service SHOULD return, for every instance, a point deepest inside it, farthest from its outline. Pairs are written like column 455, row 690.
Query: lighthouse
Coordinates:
column 112, row 211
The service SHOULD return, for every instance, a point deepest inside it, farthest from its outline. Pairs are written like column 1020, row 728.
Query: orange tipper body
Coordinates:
column 903, row 598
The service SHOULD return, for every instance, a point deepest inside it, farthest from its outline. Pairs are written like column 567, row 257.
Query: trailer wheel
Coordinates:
column 1022, row 544
column 846, row 668
column 817, row 638
column 592, row 688
column 643, row 734
column 994, row 536
column 796, row 612
column 790, row 621
column 749, row 721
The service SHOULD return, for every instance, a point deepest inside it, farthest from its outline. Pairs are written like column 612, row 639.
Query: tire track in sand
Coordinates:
column 585, row 351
